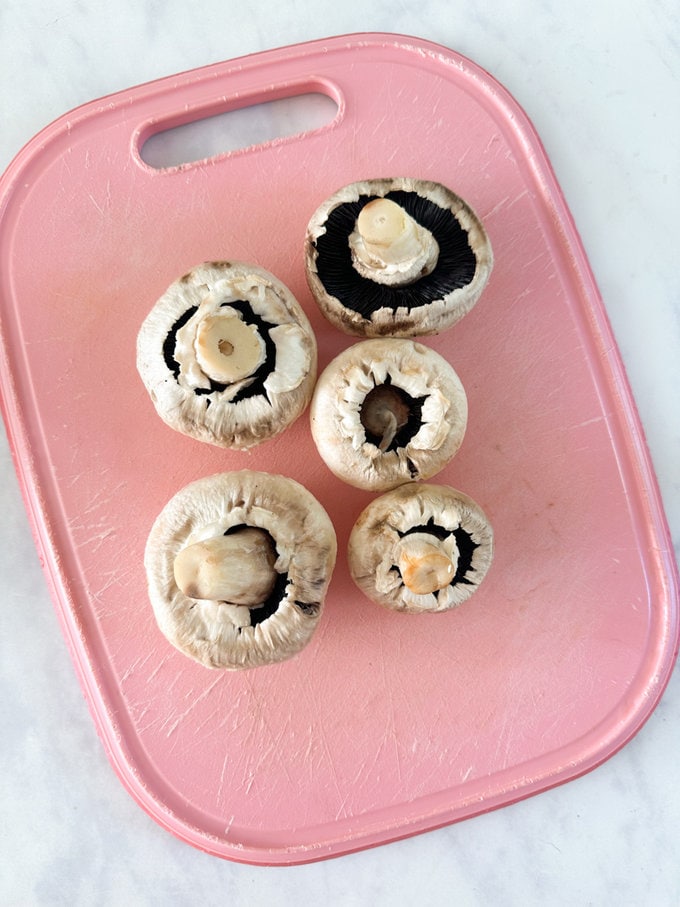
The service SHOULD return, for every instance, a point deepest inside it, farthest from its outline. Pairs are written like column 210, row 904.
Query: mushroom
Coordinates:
column 396, row 257
column 227, row 355
column 238, row 565
column 387, row 411
column 420, row 547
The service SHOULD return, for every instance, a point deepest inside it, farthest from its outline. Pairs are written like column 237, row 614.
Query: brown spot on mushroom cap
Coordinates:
column 192, row 591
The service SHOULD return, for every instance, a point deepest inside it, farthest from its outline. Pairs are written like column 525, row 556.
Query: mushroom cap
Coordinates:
column 215, row 634
column 358, row 305
column 253, row 408
column 376, row 542
column 437, row 399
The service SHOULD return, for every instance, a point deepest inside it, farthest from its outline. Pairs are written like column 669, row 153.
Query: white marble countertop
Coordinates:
column 600, row 82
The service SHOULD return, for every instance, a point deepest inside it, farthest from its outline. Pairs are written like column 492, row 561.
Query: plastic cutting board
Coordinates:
column 387, row 724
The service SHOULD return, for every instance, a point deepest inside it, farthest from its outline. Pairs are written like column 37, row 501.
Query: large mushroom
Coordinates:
column 396, row 257
column 387, row 411
column 420, row 547
column 238, row 565
column 228, row 355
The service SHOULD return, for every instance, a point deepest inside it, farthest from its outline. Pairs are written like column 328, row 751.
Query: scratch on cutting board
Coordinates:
column 363, row 774
column 506, row 203
column 223, row 775
column 334, row 773
column 101, row 209
column 171, row 728
column 139, row 663
column 391, row 720
column 96, row 204
column 588, row 422
column 160, row 664
column 497, row 207
column 504, row 740
column 98, row 538
column 111, row 578
column 261, row 723
column 102, row 498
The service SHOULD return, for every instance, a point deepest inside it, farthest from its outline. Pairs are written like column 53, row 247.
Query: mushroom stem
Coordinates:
column 424, row 564
column 389, row 246
column 383, row 413
column 237, row 568
column 228, row 349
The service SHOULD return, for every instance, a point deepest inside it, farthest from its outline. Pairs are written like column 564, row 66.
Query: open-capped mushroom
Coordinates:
column 387, row 411
column 228, row 355
column 396, row 257
column 420, row 547
column 238, row 565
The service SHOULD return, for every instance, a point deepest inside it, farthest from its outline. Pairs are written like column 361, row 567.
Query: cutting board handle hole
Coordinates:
column 244, row 127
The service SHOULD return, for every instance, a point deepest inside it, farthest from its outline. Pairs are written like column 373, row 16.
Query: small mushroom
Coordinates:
column 396, row 257
column 238, row 565
column 420, row 547
column 387, row 411
column 228, row 355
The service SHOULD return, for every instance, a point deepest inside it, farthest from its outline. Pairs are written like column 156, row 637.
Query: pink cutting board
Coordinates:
column 387, row 724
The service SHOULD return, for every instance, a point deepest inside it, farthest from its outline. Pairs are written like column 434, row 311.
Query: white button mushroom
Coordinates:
column 396, row 257
column 420, row 547
column 387, row 411
column 238, row 565
column 228, row 355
